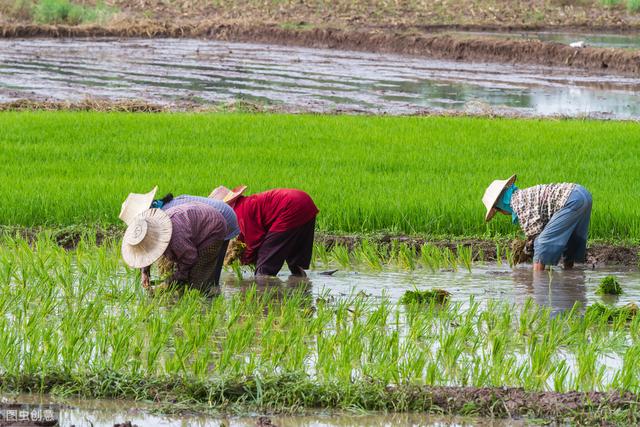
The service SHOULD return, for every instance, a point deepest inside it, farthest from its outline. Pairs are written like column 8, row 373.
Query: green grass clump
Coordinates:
column 67, row 12
column 609, row 285
column 365, row 173
column 438, row 296
column 633, row 5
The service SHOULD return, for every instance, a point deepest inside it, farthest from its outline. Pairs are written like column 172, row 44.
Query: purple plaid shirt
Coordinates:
column 195, row 227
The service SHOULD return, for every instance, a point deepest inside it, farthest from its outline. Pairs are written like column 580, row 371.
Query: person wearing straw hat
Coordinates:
column 227, row 212
column 554, row 216
column 189, row 235
column 277, row 226
column 136, row 202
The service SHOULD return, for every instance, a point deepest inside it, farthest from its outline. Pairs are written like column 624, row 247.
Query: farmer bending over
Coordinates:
column 276, row 226
column 190, row 235
column 555, row 216
column 227, row 212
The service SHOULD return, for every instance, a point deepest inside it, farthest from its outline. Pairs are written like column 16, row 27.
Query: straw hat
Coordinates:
column 146, row 238
column 135, row 204
column 492, row 194
column 226, row 195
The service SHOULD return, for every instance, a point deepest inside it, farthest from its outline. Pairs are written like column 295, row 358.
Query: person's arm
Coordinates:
column 184, row 254
column 253, row 239
column 145, row 274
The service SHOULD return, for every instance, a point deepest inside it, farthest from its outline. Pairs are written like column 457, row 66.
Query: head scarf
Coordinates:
column 504, row 202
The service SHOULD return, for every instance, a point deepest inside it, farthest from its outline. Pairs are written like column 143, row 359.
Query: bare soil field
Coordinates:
column 347, row 14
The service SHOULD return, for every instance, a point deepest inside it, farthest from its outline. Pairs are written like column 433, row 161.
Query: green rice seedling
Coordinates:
column 609, row 285
column 367, row 253
column 236, row 267
column 340, row 255
column 404, row 256
column 465, row 256
column 498, row 254
column 438, row 296
column 431, row 257
column 320, row 254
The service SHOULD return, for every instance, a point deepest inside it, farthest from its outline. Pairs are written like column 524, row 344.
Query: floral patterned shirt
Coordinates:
column 535, row 206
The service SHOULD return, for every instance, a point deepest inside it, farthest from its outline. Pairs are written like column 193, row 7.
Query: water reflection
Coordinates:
column 558, row 289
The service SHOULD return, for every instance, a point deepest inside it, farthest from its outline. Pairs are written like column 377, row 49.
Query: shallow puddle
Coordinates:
column 187, row 72
column 107, row 413
column 559, row 290
column 619, row 41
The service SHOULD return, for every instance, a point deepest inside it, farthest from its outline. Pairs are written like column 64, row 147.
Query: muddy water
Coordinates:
column 559, row 290
column 619, row 41
column 106, row 413
column 181, row 72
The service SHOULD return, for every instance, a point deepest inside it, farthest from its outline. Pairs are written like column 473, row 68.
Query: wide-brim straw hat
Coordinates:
column 493, row 192
column 226, row 195
column 135, row 204
column 146, row 238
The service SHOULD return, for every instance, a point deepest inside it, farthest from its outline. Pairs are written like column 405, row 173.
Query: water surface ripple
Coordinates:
column 190, row 71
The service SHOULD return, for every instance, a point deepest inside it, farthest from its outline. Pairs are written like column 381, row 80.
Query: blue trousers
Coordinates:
column 567, row 231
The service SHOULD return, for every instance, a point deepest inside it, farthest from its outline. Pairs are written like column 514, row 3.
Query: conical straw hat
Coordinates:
column 226, row 195
column 493, row 192
column 146, row 238
column 136, row 203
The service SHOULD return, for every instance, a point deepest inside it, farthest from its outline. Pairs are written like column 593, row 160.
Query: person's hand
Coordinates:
column 146, row 279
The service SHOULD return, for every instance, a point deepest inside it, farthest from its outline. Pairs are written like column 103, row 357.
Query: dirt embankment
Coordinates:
column 381, row 39
column 516, row 402
column 598, row 254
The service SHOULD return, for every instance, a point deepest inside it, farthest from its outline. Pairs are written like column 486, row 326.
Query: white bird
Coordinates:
column 579, row 44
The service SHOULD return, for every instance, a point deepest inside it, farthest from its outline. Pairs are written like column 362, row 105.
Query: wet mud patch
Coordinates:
column 409, row 41
column 598, row 254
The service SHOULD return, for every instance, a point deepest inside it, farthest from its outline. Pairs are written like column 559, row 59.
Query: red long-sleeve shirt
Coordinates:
column 272, row 211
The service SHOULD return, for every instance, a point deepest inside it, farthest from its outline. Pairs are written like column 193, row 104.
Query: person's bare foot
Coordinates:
column 538, row 266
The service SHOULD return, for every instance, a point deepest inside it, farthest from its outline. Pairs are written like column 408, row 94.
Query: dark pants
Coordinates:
column 293, row 246
column 220, row 262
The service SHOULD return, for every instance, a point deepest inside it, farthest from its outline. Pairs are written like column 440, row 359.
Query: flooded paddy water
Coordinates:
column 620, row 41
column 190, row 72
column 559, row 290
column 109, row 413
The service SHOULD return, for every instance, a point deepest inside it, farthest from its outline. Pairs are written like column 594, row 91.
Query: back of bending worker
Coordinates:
column 189, row 235
column 277, row 226
column 555, row 216
column 227, row 212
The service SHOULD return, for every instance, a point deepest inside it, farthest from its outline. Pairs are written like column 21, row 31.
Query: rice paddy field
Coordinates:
column 405, row 175
column 75, row 321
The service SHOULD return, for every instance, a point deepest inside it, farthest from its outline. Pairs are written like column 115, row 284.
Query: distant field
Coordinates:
column 340, row 13
column 403, row 174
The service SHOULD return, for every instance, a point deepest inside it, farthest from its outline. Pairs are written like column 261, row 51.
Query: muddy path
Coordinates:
column 399, row 40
